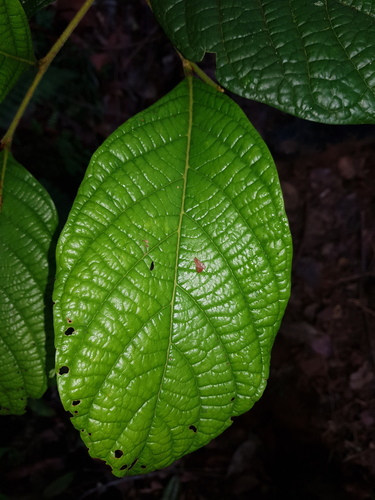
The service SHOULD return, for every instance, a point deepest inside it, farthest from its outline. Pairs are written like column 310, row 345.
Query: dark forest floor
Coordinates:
column 311, row 436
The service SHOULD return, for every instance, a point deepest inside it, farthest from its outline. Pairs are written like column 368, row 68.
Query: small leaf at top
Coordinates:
column 160, row 361
column 16, row 49
column 32, row 6
column 313, row 59
column 27, row 222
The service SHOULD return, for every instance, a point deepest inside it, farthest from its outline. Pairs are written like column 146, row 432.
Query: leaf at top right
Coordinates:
column 313, row 59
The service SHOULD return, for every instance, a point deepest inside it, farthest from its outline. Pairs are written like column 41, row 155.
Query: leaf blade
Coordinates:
column 159, row 354
column 16, row 50
column 310, row 59
column 27, row 222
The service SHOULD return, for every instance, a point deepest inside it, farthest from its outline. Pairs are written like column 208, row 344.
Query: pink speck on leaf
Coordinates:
column 198, row 265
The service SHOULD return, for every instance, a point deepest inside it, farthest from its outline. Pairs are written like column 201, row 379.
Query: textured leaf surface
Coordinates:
column 314, row 59
column 16, row 51
column 173, row 276
column 27, row 222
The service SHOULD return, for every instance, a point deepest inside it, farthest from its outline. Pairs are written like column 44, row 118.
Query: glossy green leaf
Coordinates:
column 173, row 275
column 27, row 222
column 32, row 6
column 314, row 59
column 16, row 50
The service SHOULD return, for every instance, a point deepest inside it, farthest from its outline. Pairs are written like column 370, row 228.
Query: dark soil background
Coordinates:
column 311, row 436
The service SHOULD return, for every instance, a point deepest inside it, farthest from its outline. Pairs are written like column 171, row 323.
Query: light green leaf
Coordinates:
column 16, row 50
column 27, row 222
column 313, row 59
column 173, row 275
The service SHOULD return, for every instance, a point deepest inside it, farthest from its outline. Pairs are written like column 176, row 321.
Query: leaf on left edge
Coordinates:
column 27, row 223
column 16, row 46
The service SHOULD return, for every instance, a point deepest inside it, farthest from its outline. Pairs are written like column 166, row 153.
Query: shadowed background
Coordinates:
column 311, row 436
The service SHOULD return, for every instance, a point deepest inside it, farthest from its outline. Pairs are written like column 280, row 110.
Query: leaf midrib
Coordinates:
column 178, row 231
column 182, row 212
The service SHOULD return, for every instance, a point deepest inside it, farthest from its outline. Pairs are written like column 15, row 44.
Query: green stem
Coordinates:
column 43, row 65
column 203, row 76
column 15, row 58
column 190, row 67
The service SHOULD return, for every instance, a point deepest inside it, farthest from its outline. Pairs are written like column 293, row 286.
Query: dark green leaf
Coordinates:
column 27, row 222
column 32, row 6
column 59, row 485
column 173, row 275
column 16, row 51
column 172, row 490
column 314, row 59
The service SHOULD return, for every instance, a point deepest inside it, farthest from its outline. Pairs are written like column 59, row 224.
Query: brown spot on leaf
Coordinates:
column 198, row 265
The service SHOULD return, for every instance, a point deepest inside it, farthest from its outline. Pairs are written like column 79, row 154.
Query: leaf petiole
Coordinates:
column 190, row 68
column 43, row 65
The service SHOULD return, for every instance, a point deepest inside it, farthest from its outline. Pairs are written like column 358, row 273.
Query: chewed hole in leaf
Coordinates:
column 63, row 370
column 133, row 336
column 76, row 402
column 69, row 331
column 133, row 463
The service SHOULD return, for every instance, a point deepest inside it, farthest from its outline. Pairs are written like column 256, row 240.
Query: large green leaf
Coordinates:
column 173, row 275
column 16, row 50
column 314, row 59
column 27, row 222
